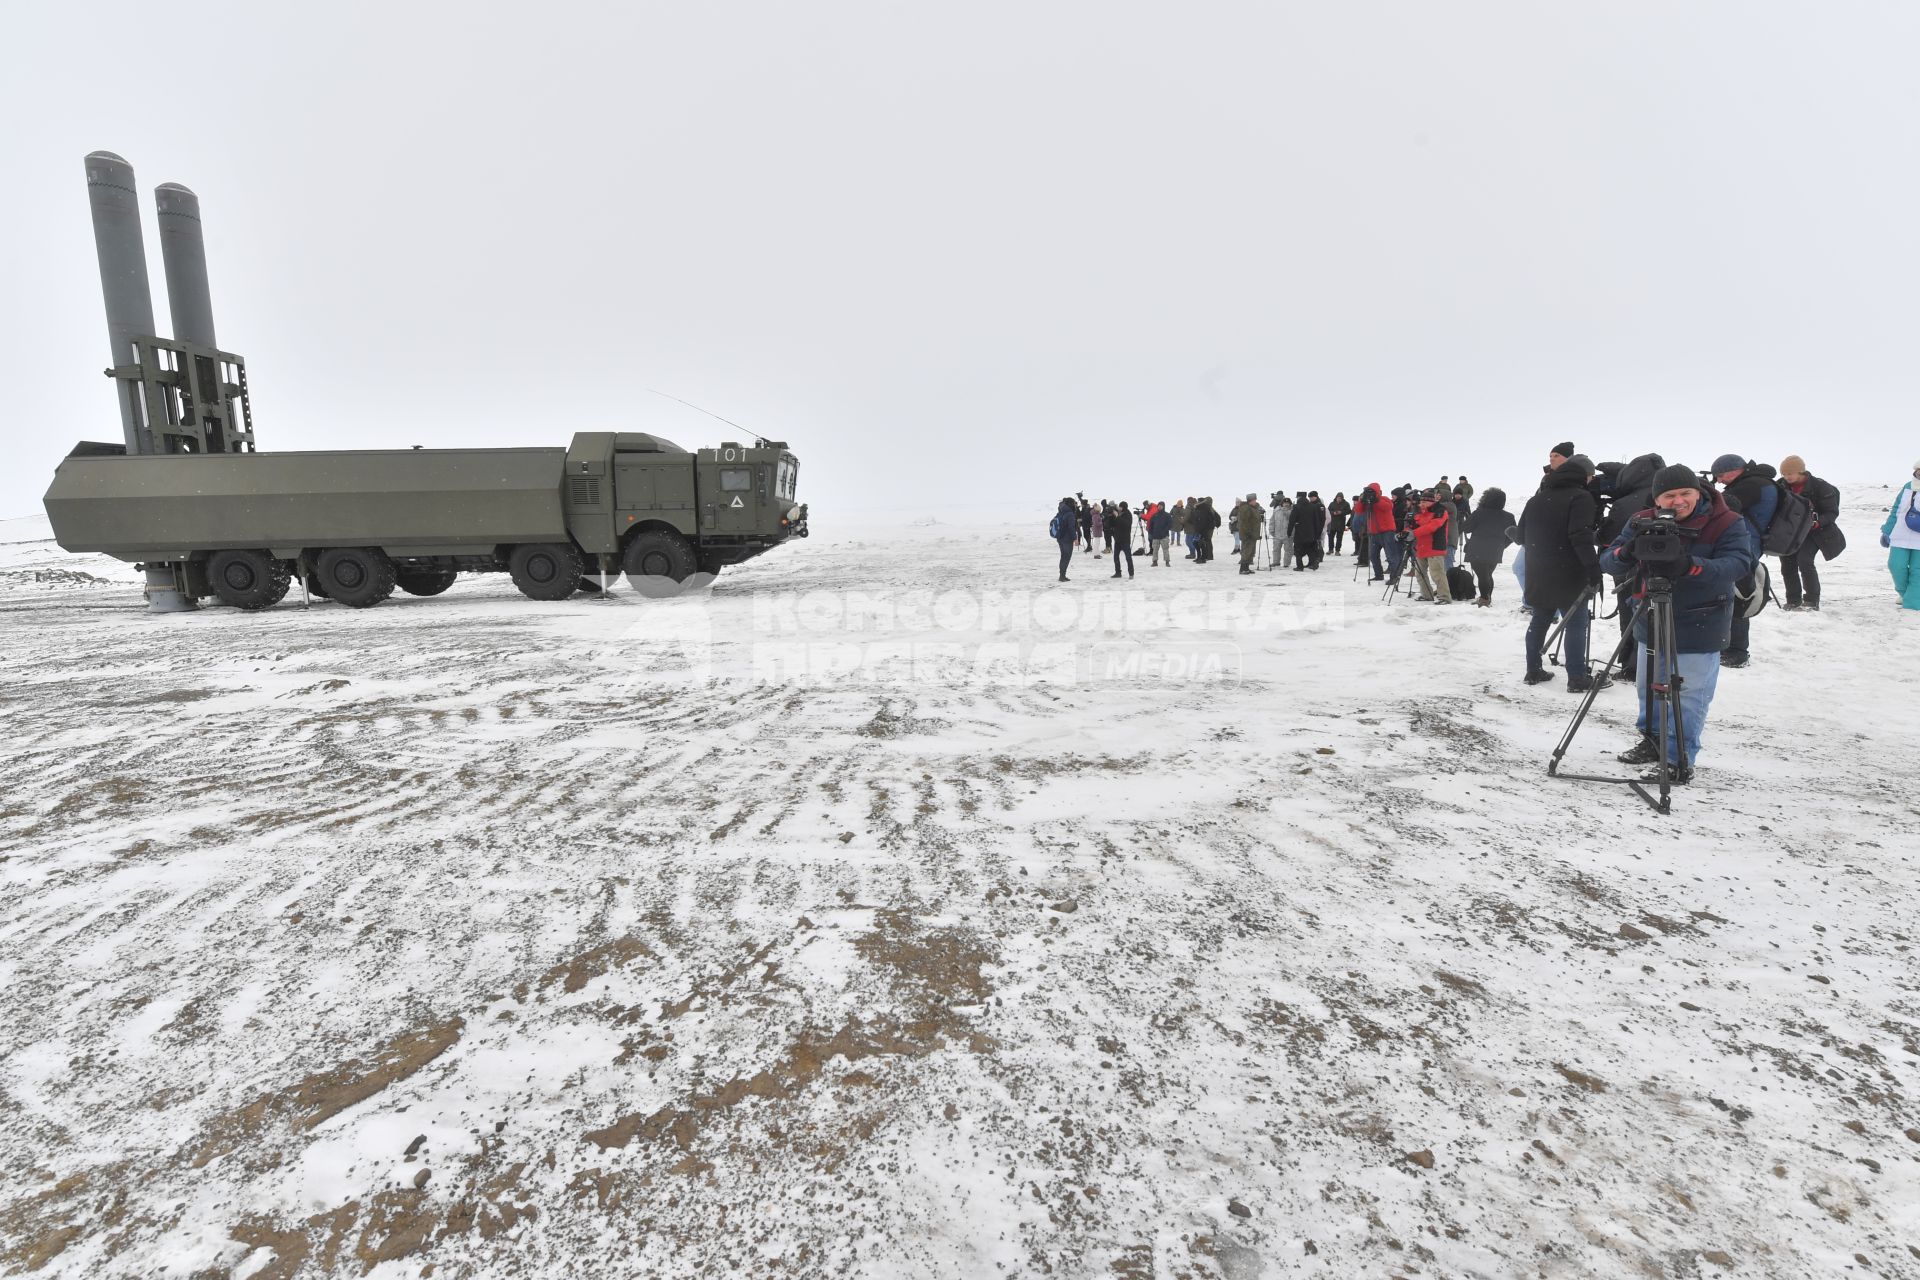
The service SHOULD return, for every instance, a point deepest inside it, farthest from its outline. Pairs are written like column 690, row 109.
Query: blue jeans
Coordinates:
column 1541, row 621
column 1699, row 674
column 1389, row 547
column 1520, row 568
column 1451, row 552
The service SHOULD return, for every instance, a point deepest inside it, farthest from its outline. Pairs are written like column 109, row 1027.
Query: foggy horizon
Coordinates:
column 983, row 258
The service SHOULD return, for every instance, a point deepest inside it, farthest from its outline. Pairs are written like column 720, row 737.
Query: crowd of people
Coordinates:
column 1578, row 529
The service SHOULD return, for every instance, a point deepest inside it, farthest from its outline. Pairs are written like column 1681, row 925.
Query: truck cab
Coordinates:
column 723, row 505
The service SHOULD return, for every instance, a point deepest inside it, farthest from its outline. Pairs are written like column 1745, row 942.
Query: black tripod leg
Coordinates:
column 1586, row 705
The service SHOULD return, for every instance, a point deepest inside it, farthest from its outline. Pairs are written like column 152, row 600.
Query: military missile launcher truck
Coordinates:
column 188, row 498
column 356, row 524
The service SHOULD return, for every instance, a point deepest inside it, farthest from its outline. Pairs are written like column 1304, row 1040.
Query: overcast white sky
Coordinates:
column 976, row 253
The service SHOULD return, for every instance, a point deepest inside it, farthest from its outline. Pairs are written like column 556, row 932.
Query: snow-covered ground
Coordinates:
column 896, row 911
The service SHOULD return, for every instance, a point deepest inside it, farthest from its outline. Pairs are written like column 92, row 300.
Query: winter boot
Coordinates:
column 1541, row 676
column 1645, row 751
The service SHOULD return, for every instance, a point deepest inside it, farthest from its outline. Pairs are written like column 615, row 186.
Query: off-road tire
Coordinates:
column 545, row 570
column 358, row 577
column 658, row 563
column 247, row 579
column 424, row 582
column 314, row 588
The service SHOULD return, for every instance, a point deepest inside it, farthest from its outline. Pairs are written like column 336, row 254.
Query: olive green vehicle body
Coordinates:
column 462, row 509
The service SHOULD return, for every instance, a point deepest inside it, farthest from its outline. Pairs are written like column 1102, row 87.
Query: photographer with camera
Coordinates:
column 1632, row 489
column 1691, row 543
column 1563, row 567
column 1431, row 532
column 1382, row 545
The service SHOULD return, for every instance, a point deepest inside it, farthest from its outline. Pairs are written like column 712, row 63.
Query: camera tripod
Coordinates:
column 1656, row 608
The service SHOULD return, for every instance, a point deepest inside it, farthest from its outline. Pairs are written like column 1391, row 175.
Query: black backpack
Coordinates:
column 1792, row 522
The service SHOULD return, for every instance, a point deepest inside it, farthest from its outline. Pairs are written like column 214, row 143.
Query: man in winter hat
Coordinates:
column 1800, row 569
column 1718, row 551
column 1748, row 489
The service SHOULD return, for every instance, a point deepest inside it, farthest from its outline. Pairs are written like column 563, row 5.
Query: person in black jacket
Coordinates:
column 1563, row 566
column 1338, row 513
column 1800, row 571
column 1488, row 533
column 1066, row 530
column 1119, row 528
column 1204, row 520
column 1304, row 527
column 1748, row 488
column 1631, row 493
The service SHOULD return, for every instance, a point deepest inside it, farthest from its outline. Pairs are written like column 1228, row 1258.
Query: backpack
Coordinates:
column 1460, row 583
column 1792, row 522
column 1053, row 527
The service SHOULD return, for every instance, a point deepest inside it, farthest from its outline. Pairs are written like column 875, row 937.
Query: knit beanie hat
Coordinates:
column 1792, row 465
column 1564, row 449
column 1582, row 461
column 1674, row 477
column 1728, row 462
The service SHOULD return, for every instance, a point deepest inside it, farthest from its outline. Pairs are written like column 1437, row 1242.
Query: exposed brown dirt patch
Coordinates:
column 36, row 1229
column 325, row 1094
column 576, row 973
column 941, row 964
column 1591, row 1083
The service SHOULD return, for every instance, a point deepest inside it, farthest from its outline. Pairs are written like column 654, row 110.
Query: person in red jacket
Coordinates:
column 1430, row 550
column 1383, row 541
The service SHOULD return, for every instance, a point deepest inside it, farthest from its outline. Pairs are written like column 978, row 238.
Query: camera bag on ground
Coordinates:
column 1792, row 522
column 1460, row 583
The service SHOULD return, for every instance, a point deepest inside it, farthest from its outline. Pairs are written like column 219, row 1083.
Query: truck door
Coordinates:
column 730, row 494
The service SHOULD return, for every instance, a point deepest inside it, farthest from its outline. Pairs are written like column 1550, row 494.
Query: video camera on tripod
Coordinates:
column 1661, row 551
column 1660, row 541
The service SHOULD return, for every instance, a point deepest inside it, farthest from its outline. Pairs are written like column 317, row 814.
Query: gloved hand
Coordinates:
column 1886, row 540
column 1595, row 578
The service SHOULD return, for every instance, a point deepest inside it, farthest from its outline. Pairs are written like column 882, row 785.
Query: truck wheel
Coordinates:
column 247, row 579
column 424, row 582
column 545, row 570
column 314, row 588
column 358, row 577
column 657, row 563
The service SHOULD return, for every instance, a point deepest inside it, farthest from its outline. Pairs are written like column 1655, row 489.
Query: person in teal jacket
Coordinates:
column 1900, row 535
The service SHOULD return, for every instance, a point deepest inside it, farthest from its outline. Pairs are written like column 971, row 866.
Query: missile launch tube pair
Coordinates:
column 118, row 243
column 122, row 251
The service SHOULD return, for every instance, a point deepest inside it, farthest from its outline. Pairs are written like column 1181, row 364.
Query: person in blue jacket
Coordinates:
column 1900, row 535
column 1719, row 553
